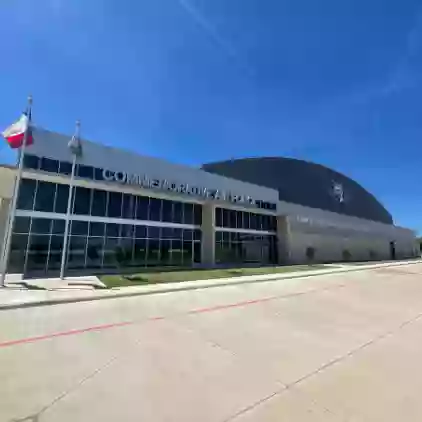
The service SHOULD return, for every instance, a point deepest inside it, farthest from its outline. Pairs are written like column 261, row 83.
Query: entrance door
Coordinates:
column 393, row 250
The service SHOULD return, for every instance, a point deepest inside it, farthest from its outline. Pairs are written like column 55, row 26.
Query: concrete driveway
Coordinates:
column 339, row 347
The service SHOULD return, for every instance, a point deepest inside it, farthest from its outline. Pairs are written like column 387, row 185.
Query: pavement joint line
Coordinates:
column 215, row 284
column 102, row 327
column 327, row 365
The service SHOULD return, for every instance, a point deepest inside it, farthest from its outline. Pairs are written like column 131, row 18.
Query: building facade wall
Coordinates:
column 243, row 224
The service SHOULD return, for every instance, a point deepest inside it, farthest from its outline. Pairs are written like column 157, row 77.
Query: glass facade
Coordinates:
column 52, row 197
column 112, row 230
column 233, row 219
column 235, row 245
column 163, row 232
column 37, row 244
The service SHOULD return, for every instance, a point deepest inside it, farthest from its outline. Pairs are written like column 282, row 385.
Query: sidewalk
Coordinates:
column 13, row 296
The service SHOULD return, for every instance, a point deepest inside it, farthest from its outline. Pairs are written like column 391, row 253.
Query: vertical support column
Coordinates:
column 4, row 214
column 283, row 240
column 208, row 235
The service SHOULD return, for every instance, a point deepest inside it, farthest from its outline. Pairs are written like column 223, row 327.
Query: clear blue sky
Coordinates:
column 335, row 82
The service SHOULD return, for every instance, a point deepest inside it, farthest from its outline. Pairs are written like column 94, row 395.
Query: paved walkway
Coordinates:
column 333, row 347
column 80, row 289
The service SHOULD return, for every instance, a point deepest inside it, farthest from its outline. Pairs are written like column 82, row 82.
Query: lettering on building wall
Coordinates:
column 184, row 188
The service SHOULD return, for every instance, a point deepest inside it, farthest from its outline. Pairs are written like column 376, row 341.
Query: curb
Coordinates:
column 62, row 301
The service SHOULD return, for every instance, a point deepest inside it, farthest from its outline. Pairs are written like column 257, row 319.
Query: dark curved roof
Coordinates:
column 305, row 183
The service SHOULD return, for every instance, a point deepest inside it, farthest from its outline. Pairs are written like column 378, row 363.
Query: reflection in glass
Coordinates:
column 94, row 252
column 38, row 252
column 44, row 199
column 155, row 209
column 140, row 252
column 99, row 203
column 27, row 194
column 17, row 255
column 56, row 247
column 82, row 201
column 77, row 250
column 114, row 204
column 60, row 204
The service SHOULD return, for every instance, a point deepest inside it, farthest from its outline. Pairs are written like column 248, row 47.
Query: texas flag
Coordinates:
column 15, row 134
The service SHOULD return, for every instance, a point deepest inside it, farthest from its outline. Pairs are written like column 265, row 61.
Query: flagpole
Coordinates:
column 12, row 211
column 69, row 207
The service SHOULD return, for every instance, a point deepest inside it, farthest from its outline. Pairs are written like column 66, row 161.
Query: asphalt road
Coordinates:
column 340, row 347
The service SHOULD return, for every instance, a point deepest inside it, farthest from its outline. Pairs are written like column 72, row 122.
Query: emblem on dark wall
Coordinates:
column 337, row 191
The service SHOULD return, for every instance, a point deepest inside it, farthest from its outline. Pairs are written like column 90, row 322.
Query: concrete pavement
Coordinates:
column 334, row 347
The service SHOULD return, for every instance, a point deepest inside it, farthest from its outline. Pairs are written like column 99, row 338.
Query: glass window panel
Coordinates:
column 27, row 191
column 177, row 212
column 85, row 172
column 110, row 250
column 167, row 210
column 44, row 199
column 47, row 164
column 129, row 206
column 79, row 227
column 65, row 167
column 226, row 236
column 218, row 217
column 41, row 225
column 246, row 220
column 140, row 232
column 153, row 252
column 98, row 174
column 140, row 252
column 264, row 222
column 187, row 234
column 127, row 230
column 77, row 249
column 187, row 213
column 96, row 229
column 31, row 162
column 62, row 194
column 187, row 253
column 197, row 252
column 99, row 203
column 218, row 236
column 155, row 209
column 82, row 205
column 178, row 234
column 38, row 252
column 154, row 232
column 259, row 222
column 124, row 252
column 239, row 219
column 165, row 252
column 114, row 204
column 58, row 226
column 197, row 214
column 253, row 222
column 94, row 252
column 112, row 230
column 56, row 248
column 17, row 253
column 176, row 253
column 21, row 225
column 232, row 219
column 226, row 220
column 197, row 234
column 142, row 208
column 167, row 232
